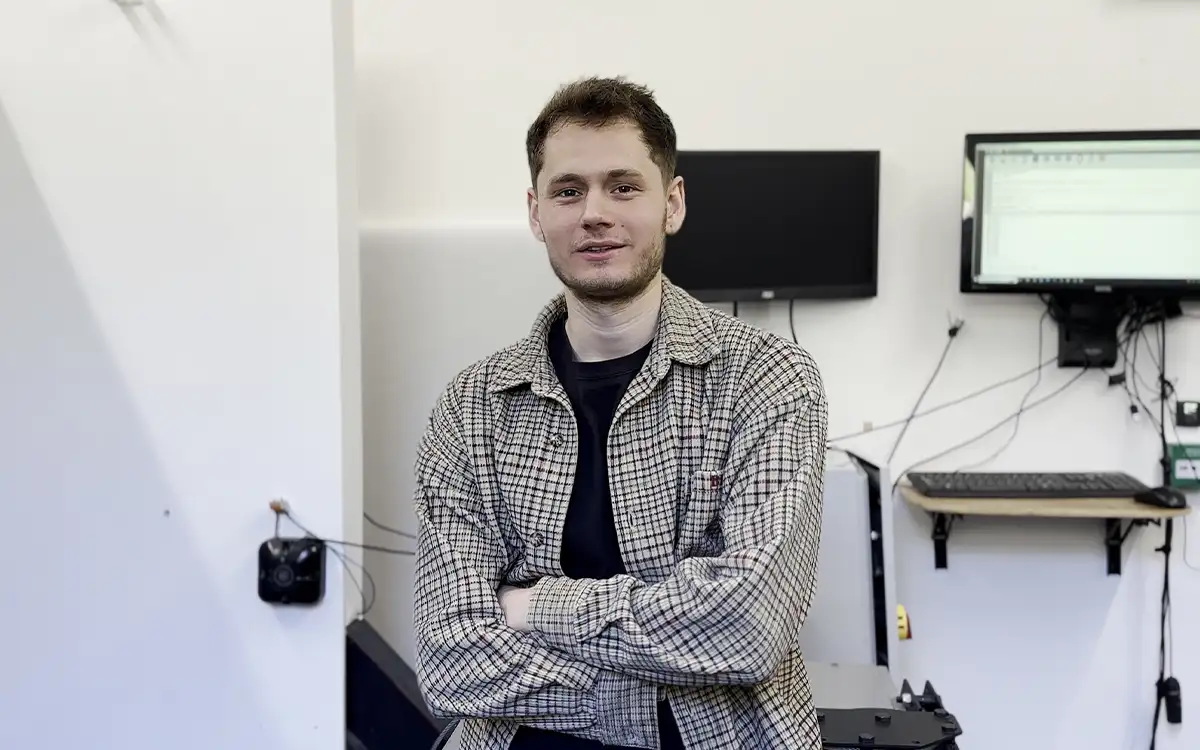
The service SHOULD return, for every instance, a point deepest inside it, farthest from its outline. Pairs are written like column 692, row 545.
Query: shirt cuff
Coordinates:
column 626, row 710
column 555, row 608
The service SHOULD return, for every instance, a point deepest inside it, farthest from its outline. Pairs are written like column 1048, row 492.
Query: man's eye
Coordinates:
column 626, row 188
column 567, row 193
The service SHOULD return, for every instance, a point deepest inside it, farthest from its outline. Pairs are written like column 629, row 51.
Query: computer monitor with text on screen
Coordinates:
column 1102, row 213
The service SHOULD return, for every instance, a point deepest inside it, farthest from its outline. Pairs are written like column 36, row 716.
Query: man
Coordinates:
column 619, row 515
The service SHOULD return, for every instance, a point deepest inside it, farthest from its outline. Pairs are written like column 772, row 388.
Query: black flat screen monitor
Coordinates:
column 765, row 225
column 1109, row 213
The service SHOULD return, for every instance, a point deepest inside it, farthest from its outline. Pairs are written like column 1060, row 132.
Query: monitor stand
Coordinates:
column 1089, row 324
column 1087, row 329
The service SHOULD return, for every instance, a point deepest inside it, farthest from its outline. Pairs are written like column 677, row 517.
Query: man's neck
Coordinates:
column 599, row 332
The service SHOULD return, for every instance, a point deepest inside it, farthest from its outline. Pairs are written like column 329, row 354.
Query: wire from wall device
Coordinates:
column 1126, row 379
column 1020, row 407
column 368, row 600
column 1024, row 406
column 1173, row 400
column 792, row 320
column 389, row 529
column 372, row 547
column 1185, row 554
column 947, row 404
column 368, row 584
column 1136, row 335
column 1183, row 522
column 1137, row 319
column 951, row 335
column 971, row 441
column 1166, row 689
column 283, row 510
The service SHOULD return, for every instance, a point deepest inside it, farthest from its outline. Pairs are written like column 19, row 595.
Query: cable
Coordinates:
column 1022, row 408
column 282, row 511
column 1166, row 632
column 1024, row 400
column 1135, row 339
column 367, row 602
column 1184, row 525
column 371, row 547
column 792, row 320
column 946, row 405
column 1183, row 522
column 1128, row 379
column 397, row 532
column 1136, row 320
column 951, row 335
column 991, row 429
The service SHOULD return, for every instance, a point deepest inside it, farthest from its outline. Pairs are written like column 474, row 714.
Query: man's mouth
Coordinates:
column 599, row 248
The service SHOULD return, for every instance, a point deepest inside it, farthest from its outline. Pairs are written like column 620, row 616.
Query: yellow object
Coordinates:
column 902, row 623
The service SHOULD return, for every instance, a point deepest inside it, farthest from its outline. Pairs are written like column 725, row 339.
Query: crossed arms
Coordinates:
column 599, row 648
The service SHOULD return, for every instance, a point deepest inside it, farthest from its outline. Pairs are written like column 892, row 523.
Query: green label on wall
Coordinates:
column 1185, row 465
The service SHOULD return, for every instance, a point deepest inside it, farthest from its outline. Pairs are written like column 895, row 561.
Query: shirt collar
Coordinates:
column 685, row 334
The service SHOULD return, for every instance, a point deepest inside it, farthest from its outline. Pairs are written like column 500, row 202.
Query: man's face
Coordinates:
column 603, row 211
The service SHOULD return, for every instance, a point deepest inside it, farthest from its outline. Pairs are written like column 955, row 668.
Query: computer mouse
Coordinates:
column 1162, row 497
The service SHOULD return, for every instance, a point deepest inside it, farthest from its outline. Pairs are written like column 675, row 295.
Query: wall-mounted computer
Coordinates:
column 1095, row 222
column 767, row 225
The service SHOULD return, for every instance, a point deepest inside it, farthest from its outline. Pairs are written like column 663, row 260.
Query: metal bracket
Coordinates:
column 1114, row 540
column 1116, row 532
column 942, row 523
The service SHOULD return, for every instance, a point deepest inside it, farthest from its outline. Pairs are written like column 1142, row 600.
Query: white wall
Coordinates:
column 178, row 286
column 1024, row 632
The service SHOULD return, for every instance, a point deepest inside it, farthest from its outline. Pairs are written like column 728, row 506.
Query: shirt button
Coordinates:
column 535, row 539
column 554, row 441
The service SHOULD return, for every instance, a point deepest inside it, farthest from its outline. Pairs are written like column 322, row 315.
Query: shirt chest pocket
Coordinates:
column 700, row 530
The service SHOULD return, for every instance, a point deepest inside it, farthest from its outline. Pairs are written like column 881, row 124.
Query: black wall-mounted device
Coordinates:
column 291, row 570
column 1187, row 414
column 1173, row 698
column 777, row 225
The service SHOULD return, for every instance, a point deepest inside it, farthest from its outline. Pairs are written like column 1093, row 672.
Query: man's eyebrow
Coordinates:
column 612, row 174
column 560, row 179
column 624, row 174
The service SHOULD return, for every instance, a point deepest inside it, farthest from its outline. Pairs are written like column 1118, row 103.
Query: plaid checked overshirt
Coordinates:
column 716, row 458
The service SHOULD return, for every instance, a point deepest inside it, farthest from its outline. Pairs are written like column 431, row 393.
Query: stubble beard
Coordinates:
column 610, row 290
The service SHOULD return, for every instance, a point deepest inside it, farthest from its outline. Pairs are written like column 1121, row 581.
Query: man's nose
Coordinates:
column 596, row 210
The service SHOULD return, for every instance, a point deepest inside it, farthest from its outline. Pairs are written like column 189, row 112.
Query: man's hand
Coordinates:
column 515, row 604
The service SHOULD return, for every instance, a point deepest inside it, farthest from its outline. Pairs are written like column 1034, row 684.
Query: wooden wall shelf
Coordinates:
column 1120, row 515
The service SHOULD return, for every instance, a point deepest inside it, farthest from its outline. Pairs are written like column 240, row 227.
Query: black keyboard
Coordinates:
column 1025, row 485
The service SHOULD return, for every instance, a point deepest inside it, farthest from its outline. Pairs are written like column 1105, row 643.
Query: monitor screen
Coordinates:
column 1093, row 211
column 777, row 225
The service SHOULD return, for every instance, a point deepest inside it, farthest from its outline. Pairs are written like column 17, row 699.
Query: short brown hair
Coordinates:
column 597, row 102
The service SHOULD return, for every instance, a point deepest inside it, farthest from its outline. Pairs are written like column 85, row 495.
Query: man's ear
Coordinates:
column 676, row 205
column 535, row 223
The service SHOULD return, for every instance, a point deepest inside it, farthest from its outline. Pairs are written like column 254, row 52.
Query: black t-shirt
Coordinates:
column 590, row 548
